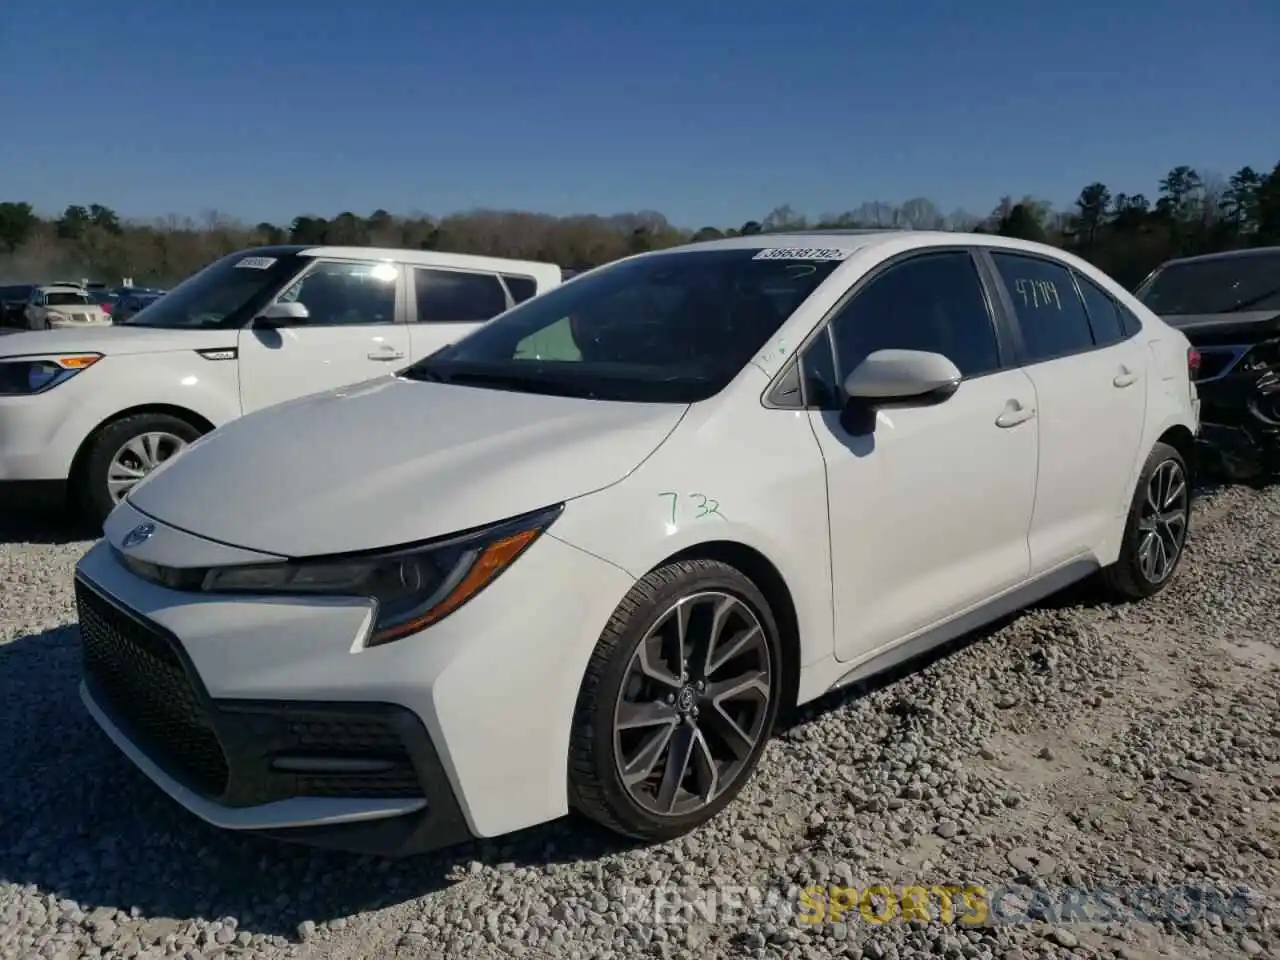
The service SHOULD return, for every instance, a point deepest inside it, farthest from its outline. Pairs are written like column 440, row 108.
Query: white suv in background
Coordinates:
column 102, row 409
column 580, row 558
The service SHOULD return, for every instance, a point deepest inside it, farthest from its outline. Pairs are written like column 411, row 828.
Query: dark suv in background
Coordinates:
column 13, row 300
column 129, row 301
column 1228, row 306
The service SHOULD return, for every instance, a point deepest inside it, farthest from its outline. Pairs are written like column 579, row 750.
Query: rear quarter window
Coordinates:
column 521, row 288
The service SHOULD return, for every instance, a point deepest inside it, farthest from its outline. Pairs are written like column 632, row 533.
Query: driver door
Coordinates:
column 353, row 332
column 929, row 505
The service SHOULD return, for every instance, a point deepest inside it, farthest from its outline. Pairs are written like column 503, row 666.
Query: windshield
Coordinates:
column 1224, row 285
column 221, row 296
column 663, row 328
column 65, row 299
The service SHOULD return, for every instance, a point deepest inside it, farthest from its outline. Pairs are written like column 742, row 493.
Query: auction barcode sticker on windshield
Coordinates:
column 256, row 263
column 802, row 253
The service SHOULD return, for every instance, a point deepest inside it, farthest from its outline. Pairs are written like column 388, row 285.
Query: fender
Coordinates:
column 185, row 381
column 659, row 510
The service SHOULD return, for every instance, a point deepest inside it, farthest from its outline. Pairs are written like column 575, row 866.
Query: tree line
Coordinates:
column 1126, row 234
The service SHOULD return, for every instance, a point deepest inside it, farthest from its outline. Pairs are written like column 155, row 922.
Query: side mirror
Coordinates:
column 897, row 376
column 283, row 314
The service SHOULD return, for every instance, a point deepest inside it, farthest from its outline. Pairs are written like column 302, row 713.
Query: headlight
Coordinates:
column 412, row 587
column 20, row 377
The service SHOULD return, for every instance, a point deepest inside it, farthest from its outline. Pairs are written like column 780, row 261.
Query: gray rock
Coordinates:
column 1162, row 781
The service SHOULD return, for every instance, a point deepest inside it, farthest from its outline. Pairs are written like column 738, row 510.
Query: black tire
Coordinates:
column 89, row 486
column 1126, row 579
column 596, row 787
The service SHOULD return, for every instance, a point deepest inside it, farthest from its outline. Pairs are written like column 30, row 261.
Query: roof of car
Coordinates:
column 427, row 257
column 861, row 239
column 403, row 255
column 60, row 288
column 1226, row 255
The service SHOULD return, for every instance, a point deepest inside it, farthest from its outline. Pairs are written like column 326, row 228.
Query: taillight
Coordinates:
column 1193, row 363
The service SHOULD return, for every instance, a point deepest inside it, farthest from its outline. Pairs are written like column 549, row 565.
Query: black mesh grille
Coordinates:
column 369, row 739
column 401, row 781
column 142, row 680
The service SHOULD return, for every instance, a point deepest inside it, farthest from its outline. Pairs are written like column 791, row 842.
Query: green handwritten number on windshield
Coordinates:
column 703, row 505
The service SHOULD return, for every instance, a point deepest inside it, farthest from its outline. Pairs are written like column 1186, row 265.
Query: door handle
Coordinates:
column 387, row 354
column 1125, row 378
column 1014, row 414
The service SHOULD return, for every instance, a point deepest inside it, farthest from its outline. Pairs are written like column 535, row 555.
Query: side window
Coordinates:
column 520, row 288
column 453, row 296
column 342, row 294
column 1050, row 314
column 1131, row 324
column 1104, row 315
column 818, row 370
column 931, row 302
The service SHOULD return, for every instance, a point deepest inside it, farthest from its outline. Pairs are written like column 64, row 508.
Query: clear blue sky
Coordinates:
column 710, row 112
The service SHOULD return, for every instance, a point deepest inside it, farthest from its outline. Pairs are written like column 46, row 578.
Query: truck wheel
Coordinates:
column 122, row 453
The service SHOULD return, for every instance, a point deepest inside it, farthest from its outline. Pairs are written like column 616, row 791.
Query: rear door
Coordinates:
column 354, row 331
column 446, row 304
column 1091, row 398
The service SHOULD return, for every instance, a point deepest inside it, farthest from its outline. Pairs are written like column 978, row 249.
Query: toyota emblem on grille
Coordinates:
column 139, row 534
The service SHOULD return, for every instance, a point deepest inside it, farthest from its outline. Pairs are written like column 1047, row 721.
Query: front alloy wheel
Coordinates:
column 678, row 702
column 137, row 458
column 693, row 705
column 120, row 455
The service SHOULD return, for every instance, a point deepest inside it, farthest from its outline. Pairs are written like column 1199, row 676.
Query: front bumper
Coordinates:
column 268, row 714
column 363, row 777
column 56, row 324
column 40, row 433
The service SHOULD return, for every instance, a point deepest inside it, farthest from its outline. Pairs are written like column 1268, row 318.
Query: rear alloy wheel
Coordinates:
column 679, row 700
column 123, row 453
column 1156, row 530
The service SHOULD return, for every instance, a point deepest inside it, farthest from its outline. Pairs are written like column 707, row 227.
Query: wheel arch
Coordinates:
column 761, row 571
column 1180, row 437
column 200, row 422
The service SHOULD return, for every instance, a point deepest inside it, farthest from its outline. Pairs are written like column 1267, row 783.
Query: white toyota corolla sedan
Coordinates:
column 581, row 558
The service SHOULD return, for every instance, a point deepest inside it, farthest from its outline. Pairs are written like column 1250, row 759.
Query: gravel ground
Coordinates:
column 1077, row 746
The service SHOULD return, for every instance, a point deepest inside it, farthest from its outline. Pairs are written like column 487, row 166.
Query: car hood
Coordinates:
column 393, row 461
column 1204, row 329
column 113, row 340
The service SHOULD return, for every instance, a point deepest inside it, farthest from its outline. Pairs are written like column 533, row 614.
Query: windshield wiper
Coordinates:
column 422, row 375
